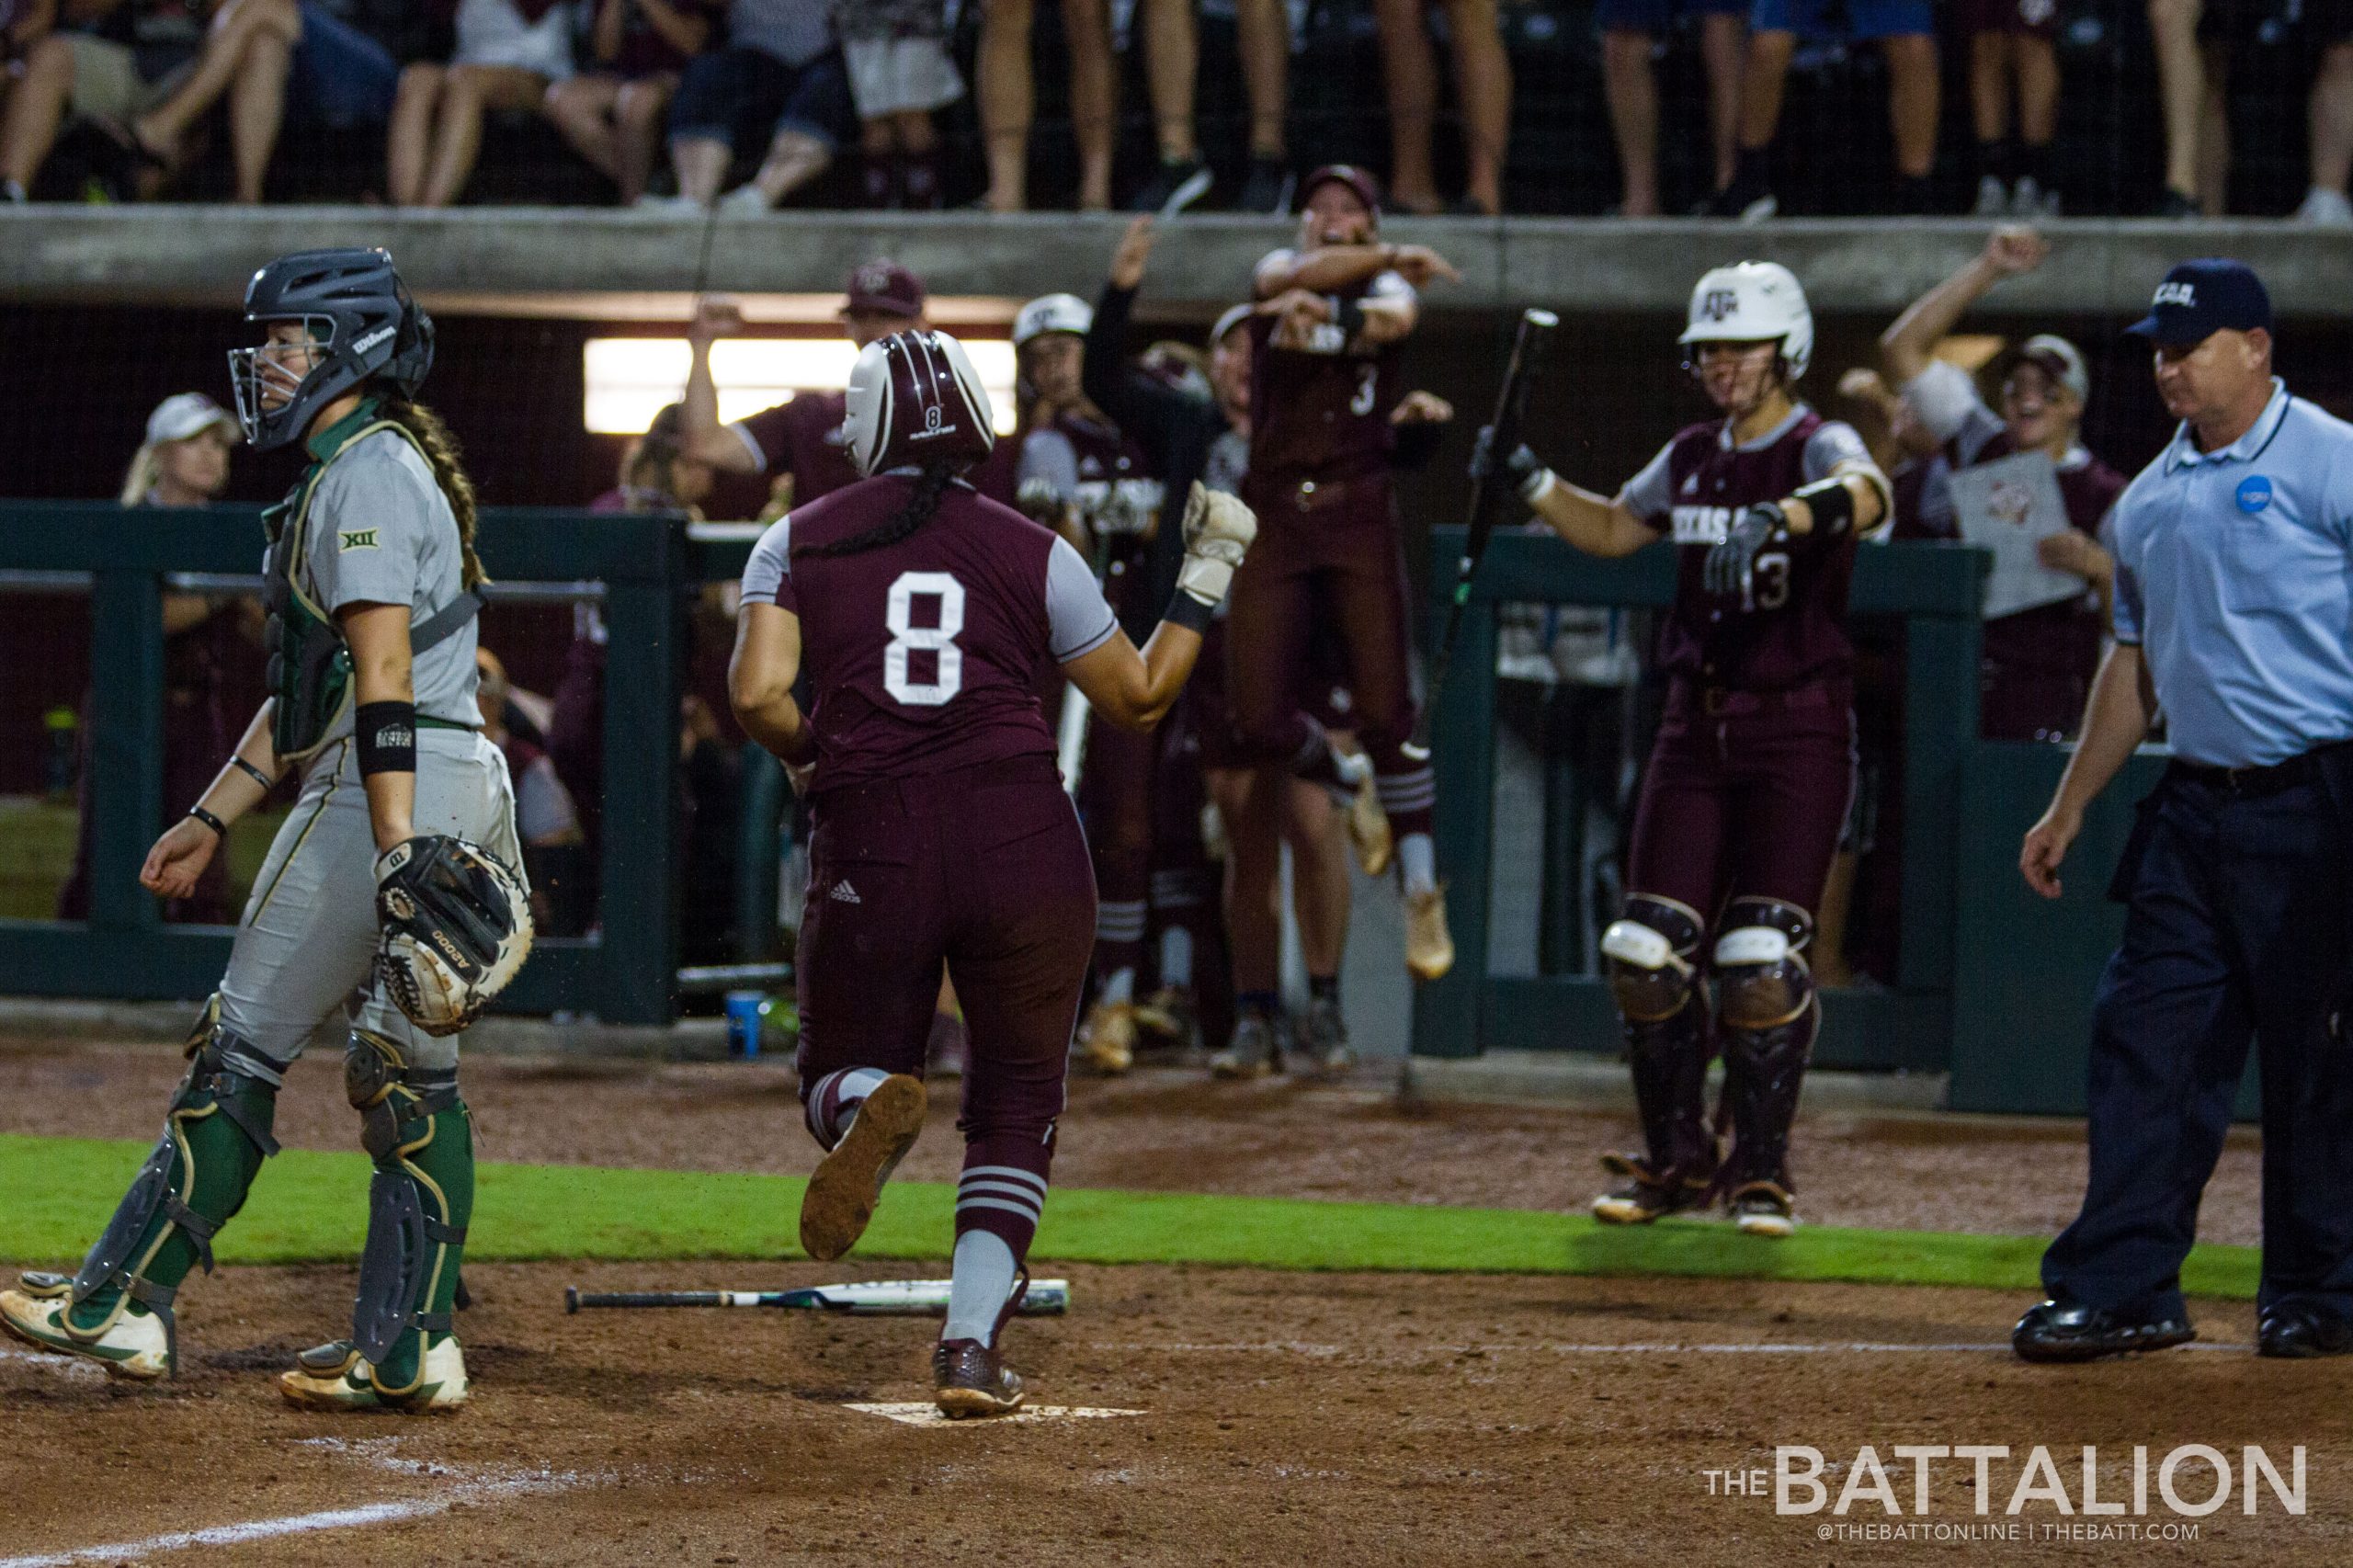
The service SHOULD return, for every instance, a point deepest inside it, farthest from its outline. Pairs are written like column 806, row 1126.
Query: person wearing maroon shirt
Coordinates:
column 1077, row 462
column 1332, row 317
column 1749, row 778
column 2038, row 661
column 921, row 610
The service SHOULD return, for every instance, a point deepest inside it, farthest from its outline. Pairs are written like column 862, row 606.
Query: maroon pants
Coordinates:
column 1744, row 802
column 1115, row 795
column 985, row 869
column 1340, row 559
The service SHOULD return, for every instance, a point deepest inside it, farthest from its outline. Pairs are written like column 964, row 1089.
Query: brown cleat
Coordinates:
column 1106, row 1039
column 1647, row 1194
column 848, row 1183
column 1429, row 946
column 1763, row 1208
column 971, row 1379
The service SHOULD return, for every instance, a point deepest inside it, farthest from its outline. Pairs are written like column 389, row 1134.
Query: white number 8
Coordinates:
column 906, row 637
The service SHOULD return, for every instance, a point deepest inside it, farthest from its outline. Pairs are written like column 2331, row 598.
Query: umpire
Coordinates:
column 2234, row 615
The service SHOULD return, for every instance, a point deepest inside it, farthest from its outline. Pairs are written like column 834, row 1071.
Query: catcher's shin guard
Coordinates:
column 1650, row 949
column 1769, row 1014
column 216, row 1135
column 417, row 1129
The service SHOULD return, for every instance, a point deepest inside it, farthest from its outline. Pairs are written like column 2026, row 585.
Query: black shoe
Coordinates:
column 1153, row 194
column 2298, row 1332
column 1744, row 200
column 1267, row 187
column 2179, row 205
column 2050, row 1332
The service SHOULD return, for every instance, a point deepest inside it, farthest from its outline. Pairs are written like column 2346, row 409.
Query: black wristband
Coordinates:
column 1190, row 613
column 255, row 774
column 1348, row 316
column 387, row 736
column 209, row 820
column 1832, row 505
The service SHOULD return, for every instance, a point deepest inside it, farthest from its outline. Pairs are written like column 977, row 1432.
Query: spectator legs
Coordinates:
column 1913, row 91
column 1262, row 30
column 408, row 138
column 2181, row 90
column 582, row 110
column 468, row 93
column 2332, row 121
column 2214, row 135
column 35, row 110
column 794, row 159
column 1006, row 102
column 1094, row 104
column 250, row 48
column 1482, row 85
column 1723, row 42
column 1990, row 55
column 1411, row 77
column 1172, row 62
column 1632, row 89
column 701, row 163
column 638, row 115
column 918, row 160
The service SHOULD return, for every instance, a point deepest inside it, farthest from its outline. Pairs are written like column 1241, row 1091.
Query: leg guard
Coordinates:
column 1650, row 949
column 1770, row 1013
column 216, row 1135
column 417, row 1129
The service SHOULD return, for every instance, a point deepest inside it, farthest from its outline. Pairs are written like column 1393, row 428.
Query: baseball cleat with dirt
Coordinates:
column 1763, row 1208
column 848, row 1183
column 1645, row 1195
column 970, row 1378
column 335, row 1377
column 134, row 1346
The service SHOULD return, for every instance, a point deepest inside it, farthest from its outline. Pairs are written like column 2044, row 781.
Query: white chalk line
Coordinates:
column 489, row 1489
column 44, row 1361
column 923, row 1412
column 1622, row 1347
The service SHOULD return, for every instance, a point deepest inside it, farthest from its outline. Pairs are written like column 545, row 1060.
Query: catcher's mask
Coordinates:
column 362, row 324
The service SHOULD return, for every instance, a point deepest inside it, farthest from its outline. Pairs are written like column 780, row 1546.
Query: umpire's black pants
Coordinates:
column 2236, row 930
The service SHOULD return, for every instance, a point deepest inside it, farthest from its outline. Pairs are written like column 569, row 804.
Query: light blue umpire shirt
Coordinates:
column 2234, row 576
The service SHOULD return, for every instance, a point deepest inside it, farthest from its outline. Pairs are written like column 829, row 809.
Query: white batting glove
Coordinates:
column 1218, row 531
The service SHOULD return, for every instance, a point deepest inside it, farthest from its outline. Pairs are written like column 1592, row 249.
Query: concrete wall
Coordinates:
column 562, row 261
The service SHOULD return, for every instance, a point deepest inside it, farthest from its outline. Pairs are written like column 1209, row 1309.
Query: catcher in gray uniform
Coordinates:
column 389, row 891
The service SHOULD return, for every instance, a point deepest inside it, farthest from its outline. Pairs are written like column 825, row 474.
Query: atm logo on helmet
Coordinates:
column 1719, row 304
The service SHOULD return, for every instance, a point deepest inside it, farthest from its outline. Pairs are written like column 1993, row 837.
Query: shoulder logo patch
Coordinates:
column 357, row 538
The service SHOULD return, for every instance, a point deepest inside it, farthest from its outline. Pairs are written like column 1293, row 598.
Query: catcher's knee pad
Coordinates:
column 1762, row 978
column 1649, row 948
column 410, row 1223
column 217, row 1130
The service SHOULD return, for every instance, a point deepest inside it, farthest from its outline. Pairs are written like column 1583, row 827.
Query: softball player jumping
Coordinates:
column 1750, row 777
column 922, row 612
column 371, row 579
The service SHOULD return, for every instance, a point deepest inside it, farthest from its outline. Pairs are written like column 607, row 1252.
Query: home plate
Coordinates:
column 923, row 1412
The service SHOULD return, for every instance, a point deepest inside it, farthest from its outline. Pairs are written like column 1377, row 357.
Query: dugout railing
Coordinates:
column 1933, row 590
column 647, row 569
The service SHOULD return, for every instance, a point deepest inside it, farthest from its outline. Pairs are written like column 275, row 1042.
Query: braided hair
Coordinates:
column 440, row 448
column 930, row 485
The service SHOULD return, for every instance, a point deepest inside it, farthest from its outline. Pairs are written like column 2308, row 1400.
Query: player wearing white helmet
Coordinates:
column 1749, row 782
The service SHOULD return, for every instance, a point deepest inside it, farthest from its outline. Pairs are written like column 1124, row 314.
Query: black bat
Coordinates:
column 1536, row 328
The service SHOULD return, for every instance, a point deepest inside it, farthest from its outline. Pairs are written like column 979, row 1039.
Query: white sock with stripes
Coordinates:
column 980, row 1282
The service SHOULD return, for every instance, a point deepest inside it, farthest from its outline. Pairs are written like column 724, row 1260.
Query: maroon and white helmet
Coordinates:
column 914, row 400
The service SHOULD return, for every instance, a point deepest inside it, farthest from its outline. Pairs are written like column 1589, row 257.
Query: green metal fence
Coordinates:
column 649, row 569
column 1935, row 589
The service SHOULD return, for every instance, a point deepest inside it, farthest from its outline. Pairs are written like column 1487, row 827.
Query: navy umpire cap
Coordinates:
column 2201, row 297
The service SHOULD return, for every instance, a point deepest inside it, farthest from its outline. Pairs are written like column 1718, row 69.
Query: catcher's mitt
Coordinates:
column 454, row 925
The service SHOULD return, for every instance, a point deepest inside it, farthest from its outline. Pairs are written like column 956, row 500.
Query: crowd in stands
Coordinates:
column 1737, row 109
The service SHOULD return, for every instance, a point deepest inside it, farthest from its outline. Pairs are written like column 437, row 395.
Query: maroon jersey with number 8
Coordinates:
column 1790, row 629
column 922, row 652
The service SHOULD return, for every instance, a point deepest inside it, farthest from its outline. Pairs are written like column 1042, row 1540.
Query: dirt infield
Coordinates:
column 1162, row 1128
column 1281, row 1418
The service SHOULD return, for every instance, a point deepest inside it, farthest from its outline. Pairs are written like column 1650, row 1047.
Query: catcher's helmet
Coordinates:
column 363, row 320
column 1753, row 301
column 915, row 399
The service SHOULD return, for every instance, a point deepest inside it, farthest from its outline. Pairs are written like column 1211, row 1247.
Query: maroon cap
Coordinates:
column 1360, row 181
column 887, row 287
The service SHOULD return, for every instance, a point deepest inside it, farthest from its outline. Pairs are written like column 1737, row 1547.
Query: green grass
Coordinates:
column 56, row 1193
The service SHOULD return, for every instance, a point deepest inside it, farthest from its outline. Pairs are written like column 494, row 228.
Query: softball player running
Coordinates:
column 922, row 611
column 1096, row 474
column 371, row 577
column 1749, row 778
